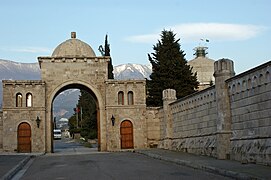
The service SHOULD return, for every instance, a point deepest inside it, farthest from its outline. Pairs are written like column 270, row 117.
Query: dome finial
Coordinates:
column 73, row 35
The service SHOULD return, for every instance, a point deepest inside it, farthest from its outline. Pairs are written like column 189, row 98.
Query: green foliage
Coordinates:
column 72, row 123
column 88, row 145
column 89, row 114
column 107, row 53
column 169, row 70
column 87, row 117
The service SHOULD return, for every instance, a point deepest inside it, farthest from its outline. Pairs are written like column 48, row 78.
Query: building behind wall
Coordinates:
column 230, row 120
column 203, row 66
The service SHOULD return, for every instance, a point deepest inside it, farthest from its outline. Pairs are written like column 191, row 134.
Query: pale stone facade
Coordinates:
column 13, row 116
column 230, row 120
column 73, row 64
column 204, row 67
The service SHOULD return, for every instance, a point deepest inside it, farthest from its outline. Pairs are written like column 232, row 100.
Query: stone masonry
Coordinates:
column 73, row 64
column 229, row 120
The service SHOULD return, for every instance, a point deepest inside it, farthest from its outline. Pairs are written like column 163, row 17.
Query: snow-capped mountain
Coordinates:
column 67, row 100
column 20, row 71
column 132, row 71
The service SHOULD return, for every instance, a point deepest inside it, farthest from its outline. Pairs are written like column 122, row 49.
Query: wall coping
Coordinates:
column 22, row 82
column 193, row 94
column 129, row 81
column 249, row 71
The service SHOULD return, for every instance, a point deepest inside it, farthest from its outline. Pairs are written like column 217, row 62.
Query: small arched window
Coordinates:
column 130, row 98
column 120, row 98
column 19, row 100
column 28, row 100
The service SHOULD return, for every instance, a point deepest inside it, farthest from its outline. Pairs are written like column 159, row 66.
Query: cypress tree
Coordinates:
column 107, row 53
column 169, row 70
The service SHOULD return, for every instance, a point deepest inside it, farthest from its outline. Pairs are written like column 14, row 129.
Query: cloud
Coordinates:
column 191, row 32
column 28, row 49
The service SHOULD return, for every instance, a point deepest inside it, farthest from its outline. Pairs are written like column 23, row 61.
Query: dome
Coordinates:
column 73, row 48
column 203, row 66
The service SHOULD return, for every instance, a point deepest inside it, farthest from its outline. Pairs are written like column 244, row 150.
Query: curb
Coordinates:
column 211, row 169
column 16, row 169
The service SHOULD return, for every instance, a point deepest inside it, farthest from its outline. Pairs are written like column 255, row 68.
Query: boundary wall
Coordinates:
column 1, row 130
column 250, row 99
column 231, row 120
column 194, row 123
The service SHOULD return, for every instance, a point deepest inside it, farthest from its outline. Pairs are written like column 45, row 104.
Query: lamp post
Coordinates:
column 38, row 121
column 113, row 120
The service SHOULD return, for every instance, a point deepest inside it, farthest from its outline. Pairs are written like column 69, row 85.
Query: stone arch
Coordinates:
column 130, row 98
column 19, row 99
column 120, row 98
column 101, row 121
column 29, row 99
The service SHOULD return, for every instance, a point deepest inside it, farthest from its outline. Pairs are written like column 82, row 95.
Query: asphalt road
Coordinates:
column 69, row 162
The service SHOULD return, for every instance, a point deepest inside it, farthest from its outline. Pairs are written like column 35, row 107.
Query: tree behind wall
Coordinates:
column 107, row 53
column 87, row 116
column 169, row 70
column 87, row 106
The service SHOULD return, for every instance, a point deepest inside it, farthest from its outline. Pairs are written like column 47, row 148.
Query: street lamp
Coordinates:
column 113, row 120
column 38, row 121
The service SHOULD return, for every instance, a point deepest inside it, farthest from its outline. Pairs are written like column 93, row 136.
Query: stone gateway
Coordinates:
column 228, row 120
column 73, row 64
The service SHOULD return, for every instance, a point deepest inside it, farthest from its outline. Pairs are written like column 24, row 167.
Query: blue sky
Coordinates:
column 236, row 29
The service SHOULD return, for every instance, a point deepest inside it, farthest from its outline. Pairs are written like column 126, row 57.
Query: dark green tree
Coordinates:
column 87, row 106
column 169, row 70
column 87, row 116
column 107, row 53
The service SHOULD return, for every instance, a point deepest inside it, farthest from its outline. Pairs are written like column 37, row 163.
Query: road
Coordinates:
column 72, row 161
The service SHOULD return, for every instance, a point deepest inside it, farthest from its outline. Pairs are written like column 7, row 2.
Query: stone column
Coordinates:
column 223, row 70
column 169, row 96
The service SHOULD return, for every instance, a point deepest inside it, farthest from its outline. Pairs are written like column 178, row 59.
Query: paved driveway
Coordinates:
column 72, row 161
column 121, row 165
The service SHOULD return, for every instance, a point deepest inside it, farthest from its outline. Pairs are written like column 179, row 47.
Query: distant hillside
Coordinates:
column 66, row 101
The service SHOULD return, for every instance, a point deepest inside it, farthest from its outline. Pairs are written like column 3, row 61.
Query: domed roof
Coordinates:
column 202, row 65
column 73, row 48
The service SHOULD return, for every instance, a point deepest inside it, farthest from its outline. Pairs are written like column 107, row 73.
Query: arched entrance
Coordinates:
column 24, row 138
column 126, row 133
column 82, row 86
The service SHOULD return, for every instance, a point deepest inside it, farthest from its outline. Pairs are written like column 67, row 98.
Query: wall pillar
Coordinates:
column 169, row 96
column 223, row 70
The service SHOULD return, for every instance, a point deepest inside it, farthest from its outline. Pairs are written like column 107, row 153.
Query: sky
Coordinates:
column 239, row 30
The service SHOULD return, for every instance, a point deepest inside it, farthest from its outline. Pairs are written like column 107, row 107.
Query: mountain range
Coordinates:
column 67, row 100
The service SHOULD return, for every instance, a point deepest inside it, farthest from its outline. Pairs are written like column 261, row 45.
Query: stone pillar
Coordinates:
column 223, row 70
column 1, row 130
column 169, row 96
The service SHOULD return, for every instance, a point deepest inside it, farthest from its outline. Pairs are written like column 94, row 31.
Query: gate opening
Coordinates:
column 75, row 113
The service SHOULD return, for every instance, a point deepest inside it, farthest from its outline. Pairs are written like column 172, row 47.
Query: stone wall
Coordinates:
column 250, row 98
column 13, row 116
column 88, row 73
column 229, row 120
column 194, row 123
column 135, row 112
column 153, row 126
column 1, row 130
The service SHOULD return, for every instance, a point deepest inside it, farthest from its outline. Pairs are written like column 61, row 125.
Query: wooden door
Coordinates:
column 126, row 133
column 24, row 138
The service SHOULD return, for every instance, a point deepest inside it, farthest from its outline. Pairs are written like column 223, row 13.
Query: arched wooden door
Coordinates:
column 24, row 138
column 126, row 133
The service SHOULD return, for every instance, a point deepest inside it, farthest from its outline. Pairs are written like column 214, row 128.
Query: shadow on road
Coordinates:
column 67, row 146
